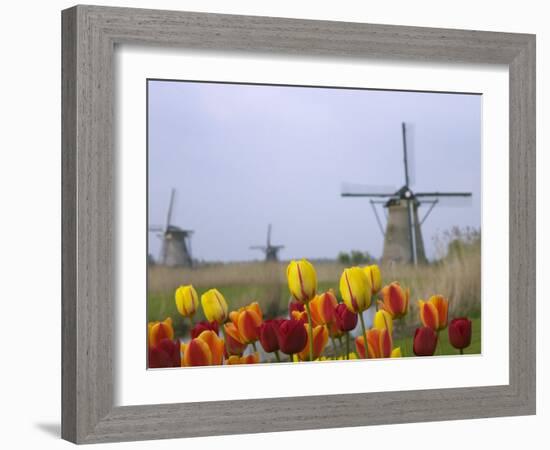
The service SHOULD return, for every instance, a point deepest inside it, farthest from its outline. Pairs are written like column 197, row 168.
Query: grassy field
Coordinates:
column 457, row 278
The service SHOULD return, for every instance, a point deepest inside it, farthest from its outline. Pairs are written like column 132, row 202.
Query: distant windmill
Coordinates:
column 271, row 251
column 403, row 237
column 176, row 242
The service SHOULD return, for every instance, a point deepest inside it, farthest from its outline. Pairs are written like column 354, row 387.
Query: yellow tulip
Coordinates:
column 302, row 280
column 383, row 320
column 159, row 331
column 396, row 352
column 187, row 300
column 214, row 306
column 253, row 358
column 375, row 277
column 355, row 289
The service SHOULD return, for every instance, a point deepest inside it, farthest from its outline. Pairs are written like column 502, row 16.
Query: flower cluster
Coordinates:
column 245, row 336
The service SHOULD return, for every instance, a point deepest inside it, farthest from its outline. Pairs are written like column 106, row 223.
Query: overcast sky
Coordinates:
column 243, row 156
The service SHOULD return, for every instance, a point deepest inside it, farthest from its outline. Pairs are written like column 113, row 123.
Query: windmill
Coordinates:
column 176, row 242
column 403, row 236
column 271, row 251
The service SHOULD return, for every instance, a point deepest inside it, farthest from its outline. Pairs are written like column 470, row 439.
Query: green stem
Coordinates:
column 310, row 332
column 437, row 345
column 461, row 351
column 254, row 346
column 277, row 356
column 347, row 345
column 341, row 345
column 291, row 356
column 364, row 334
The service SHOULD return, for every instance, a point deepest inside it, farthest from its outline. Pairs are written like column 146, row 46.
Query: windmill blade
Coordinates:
column 269, row 235
column 443, row 194
column 412, row 230
column 409, row 140
column 448, row 201
column 170, row 208
column 155, row 229
column 258, row 247
column 366, row 190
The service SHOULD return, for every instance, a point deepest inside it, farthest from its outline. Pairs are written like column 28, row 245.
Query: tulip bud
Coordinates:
column 383, row 320
column 320, row 339
column 268, row 335
column 253, row 358
column 292, row 336
column 460, row 332
column 203, row 326
column 379, row 344
column 214, row 306
column 234, row 344
column 355, row 289
column 165, row 354
column 345, row 319
column 425, row 341
column 396, row 352
column 159, row 331
column 302, row 280
column 195, row 353
column 293, row 305
column 248, row 320
column 395, row 300
column 322, row 308
column 433, row 313
column 375, row 278
column 187, row 300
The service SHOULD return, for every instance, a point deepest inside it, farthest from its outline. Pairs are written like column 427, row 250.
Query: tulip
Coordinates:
column 292, row 336
column 379, row 344
column 203, row 326
column 248, row 320
column 215, row 344
column 294, row 305
column 187, row 300
column 395, row 300
column 355, row 288
column 302, row 280
column 165, row 354
column 214, row 306
column 195, row 353
column 396, row 352
column 299, row 315
column 425, row 341
column 253, row 358
column 345, row 319
column 460, row 333
column 322, row 308
column 320, row 339
column 433, row 313
column 234, row 344
column 159, row 331
column 268, row 335
column 383, row 320
column 375, row 278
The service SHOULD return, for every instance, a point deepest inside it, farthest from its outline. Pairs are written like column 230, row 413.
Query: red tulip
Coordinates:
column 345, row 319
column 165, row 354
column 295, row 306
column 292, row 336
column 204, row 326
column 268, row 335
column 460, row 333
column 234, row 344
column 425, row 341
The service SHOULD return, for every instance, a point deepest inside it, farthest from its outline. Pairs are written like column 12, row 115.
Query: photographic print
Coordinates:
column 291, row 224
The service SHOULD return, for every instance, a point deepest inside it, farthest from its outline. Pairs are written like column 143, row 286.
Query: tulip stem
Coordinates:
column 277, row 356
column 310, row 332
column 291, row 356
column 254, row 346
column 461, row 351
column 347, row 345
column 364, row 334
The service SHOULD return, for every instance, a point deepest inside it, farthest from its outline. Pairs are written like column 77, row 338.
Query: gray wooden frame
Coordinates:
column 89, row 36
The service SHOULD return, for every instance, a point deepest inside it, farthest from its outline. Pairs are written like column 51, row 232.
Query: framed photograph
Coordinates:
column 306, row 210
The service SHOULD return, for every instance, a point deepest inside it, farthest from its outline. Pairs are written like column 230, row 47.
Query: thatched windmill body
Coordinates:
column 403, row 241
column 176, row 242
column 271, row 251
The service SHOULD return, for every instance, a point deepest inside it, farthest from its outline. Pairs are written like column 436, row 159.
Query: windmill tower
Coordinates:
column 176, row 242
column 403, row 241
column 271, row 251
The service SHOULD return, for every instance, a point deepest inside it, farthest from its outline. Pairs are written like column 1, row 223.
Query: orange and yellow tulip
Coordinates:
column 215, row 344
column 160, row 330
column 383, row 320
column 253, row 358
column 234, row 344
column 302, row 280
column 248, row 320
column 375, row 278
column 187, row 300
column 323, row 308
column 433, row 313
column 395, row 300
column 356, row 289
column 320, row 339
column 214, row 306
column 379, row 344
column 206, row 350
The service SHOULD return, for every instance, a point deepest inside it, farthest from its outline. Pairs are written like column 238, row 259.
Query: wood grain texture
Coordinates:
column 89, row 198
